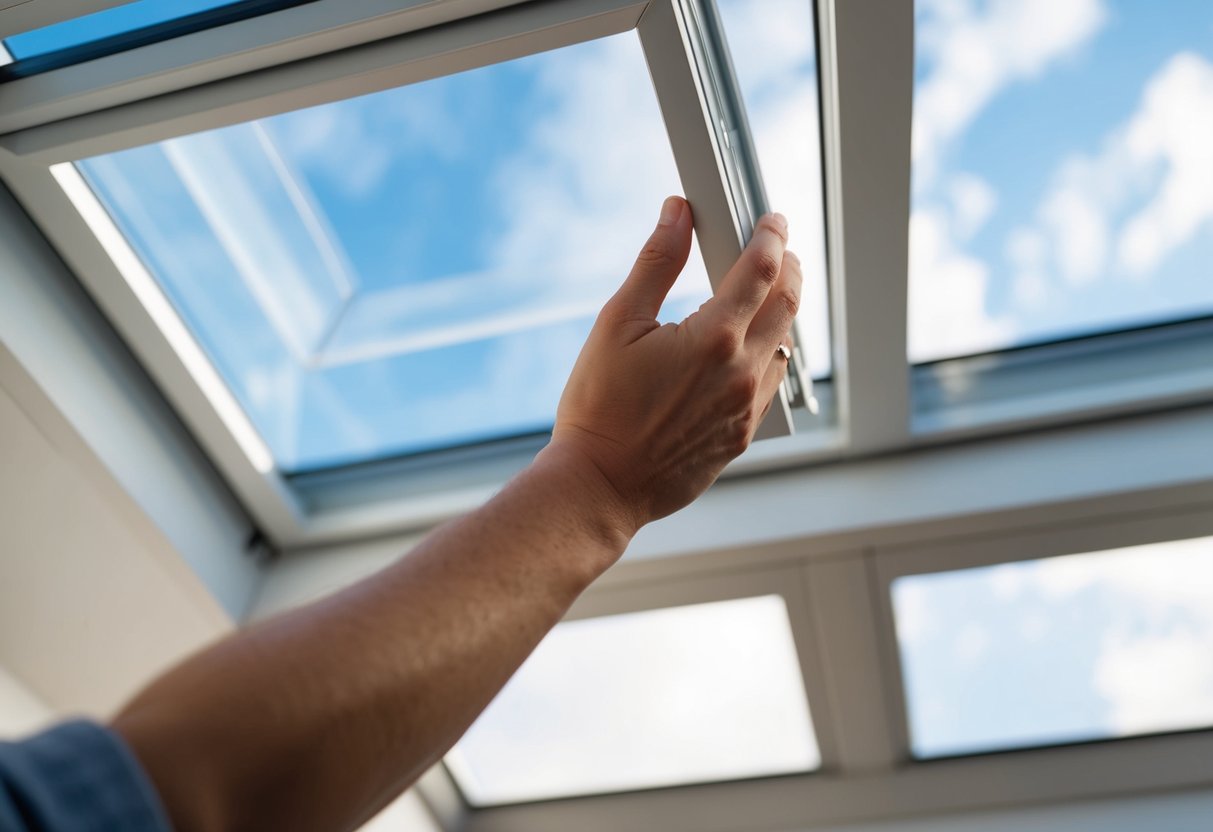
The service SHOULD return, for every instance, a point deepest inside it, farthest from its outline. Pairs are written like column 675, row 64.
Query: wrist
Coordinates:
column 587, row 497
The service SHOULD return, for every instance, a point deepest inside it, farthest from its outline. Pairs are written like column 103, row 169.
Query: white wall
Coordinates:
column 21, row 712
column 68, row 370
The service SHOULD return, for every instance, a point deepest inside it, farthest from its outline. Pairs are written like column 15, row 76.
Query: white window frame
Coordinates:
column 868, row 773
column 35, row 161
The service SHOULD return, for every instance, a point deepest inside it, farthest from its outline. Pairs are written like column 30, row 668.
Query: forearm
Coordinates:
column 392, row 669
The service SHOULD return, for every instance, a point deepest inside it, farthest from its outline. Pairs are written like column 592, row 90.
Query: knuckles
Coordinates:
column 789, row 301
column 657, row 253
column 766, row 267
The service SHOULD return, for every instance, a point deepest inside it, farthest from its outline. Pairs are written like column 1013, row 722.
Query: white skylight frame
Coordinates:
column 869, row 772
column 329, row 50
column 39, row 157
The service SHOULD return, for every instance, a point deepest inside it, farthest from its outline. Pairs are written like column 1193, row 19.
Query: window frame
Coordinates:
column 35, row 163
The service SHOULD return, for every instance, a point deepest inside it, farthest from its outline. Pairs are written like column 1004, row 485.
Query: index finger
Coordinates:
column 748, row 283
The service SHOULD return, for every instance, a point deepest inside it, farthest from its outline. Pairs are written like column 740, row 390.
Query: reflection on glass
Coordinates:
column 773, row 46
column 1061, row 161
column 118, row 20
column 656, row 698
column 1058, row 650
column 411, row 269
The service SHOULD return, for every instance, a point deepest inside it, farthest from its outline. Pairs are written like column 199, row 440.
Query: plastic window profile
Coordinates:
column 726, row 108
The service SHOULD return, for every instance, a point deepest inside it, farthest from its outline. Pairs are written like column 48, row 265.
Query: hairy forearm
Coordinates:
column 315, row 719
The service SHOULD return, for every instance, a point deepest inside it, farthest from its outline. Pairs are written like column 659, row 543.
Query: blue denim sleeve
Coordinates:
column 76, row 777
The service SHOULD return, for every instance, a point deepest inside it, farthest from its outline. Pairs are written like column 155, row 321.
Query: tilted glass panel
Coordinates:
column 773, row 44
column 1063, row 649
column 1061, row 160
column 657, row 698
column 412, row 269
column 107, row 23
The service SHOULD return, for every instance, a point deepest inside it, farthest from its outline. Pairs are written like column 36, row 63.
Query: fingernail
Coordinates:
column 781, row 221
column 671, row 210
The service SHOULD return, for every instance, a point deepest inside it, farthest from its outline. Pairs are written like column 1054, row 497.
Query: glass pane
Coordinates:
column 119, row 20
column 1058, row 650
column 656, row 698
column 1062, row 154
column 773, row 45
column 412, row 269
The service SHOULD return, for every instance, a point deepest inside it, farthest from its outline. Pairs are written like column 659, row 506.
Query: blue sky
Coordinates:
column 1058, row 154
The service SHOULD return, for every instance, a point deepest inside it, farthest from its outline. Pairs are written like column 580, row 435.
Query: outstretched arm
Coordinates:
column 316, row 719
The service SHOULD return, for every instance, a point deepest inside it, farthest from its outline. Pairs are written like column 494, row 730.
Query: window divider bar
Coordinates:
column 867, row 69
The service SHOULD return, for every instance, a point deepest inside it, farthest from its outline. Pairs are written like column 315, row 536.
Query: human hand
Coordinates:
column 657, row 411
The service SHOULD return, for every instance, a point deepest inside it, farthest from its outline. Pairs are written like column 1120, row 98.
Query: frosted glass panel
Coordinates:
column 657, row 698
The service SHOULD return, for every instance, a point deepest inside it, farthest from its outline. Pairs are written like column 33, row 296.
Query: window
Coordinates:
column 1057, row 650
column 412, row 269
column 1060, row 160
column 662, row 697
column 123, row 27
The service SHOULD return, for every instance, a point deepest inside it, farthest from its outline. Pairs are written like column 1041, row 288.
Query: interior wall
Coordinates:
column 69, row 370
column 21, row 712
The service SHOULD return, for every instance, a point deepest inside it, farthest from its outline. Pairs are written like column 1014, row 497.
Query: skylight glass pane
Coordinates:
column 773, row 44
column 119, row 20
column 657, row 698
column 1058, row 650
column 412, row 269
column 1062, row 154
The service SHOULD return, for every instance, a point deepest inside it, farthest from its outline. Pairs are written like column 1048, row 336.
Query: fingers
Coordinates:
column 748, row 283
column 659, row 264
column 774, row 318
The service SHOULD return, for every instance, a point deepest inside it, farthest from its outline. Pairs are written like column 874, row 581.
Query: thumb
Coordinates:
column 659, row 263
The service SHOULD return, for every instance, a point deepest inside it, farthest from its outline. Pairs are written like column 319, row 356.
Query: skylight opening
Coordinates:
column 663, row 697
column 413, row 269
column 1060, row 161
column 1058, row 650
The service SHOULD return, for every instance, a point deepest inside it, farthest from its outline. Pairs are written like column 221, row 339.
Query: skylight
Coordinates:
column 1061, row 161
column 776, row 67
column 411, row 269
column 1063, row 649
column 656, row 698
column 130, row 24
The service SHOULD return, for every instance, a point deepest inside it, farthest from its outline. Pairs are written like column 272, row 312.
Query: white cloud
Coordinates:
column 973, row 201
column 1174, row 128
column 1155, row 662
column 947, row 298
column 1157, row 682
column 1120, row 212
column 975, row 50
column 970, row 51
